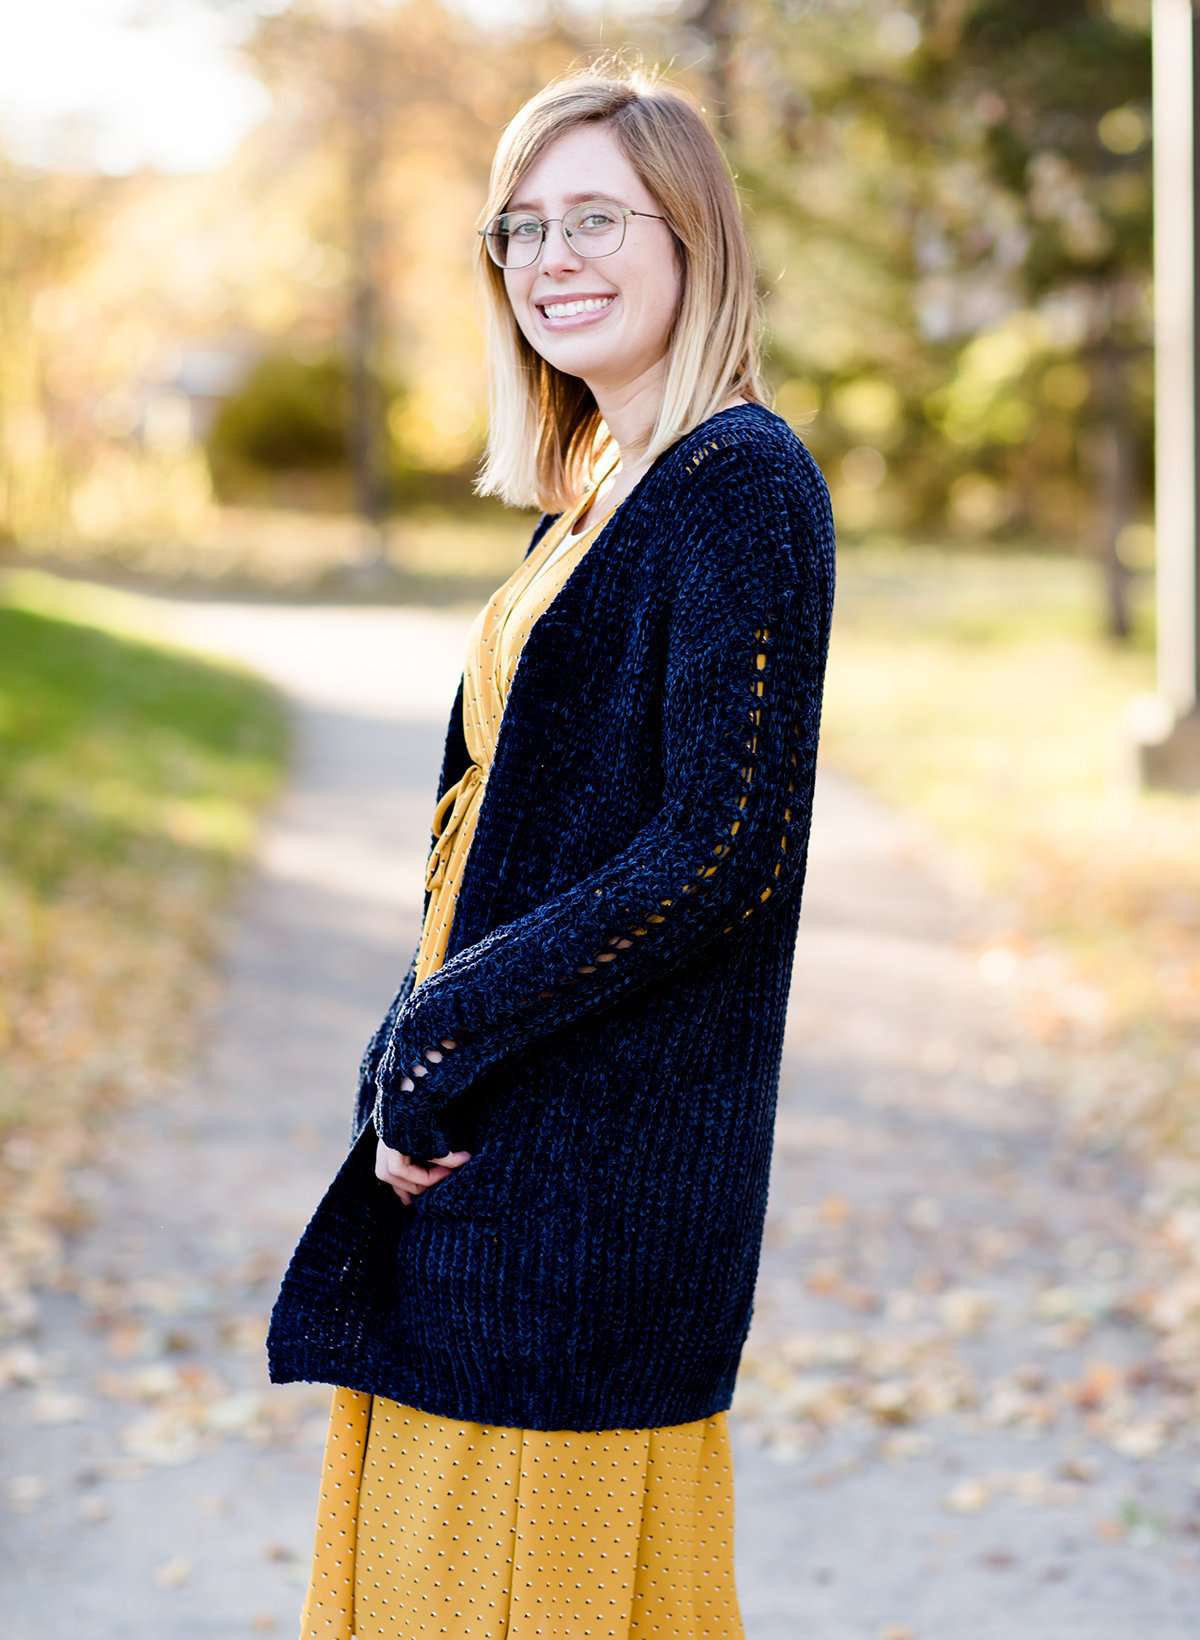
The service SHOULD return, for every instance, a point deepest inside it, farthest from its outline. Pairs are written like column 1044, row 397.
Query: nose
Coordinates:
column 556, row 250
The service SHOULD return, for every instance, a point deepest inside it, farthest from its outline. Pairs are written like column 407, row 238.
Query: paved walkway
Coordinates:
column 951, row 1420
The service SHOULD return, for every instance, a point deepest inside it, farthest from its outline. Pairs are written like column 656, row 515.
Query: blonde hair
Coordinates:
column 547, row 440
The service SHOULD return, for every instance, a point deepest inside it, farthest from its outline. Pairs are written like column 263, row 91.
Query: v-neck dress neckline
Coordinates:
column 542, row 561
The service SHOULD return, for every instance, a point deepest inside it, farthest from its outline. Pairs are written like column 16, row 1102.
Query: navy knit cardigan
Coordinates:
column 605, row 1033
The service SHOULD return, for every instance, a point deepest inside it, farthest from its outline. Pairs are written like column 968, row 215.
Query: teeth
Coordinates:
column 563, row 310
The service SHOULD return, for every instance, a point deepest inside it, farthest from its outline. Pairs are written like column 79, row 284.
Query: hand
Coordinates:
column 406, row 1177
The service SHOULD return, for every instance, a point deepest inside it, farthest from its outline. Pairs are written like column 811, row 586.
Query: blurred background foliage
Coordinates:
column 949, row 202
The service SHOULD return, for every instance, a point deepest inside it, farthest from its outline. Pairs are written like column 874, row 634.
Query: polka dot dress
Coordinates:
column 432, row 1526
column 441, row 1527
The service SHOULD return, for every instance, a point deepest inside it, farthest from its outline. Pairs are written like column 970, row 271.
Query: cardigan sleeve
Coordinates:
column 728, row 844
column 369, row 1062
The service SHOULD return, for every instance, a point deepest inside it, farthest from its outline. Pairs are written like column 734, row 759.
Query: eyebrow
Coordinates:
column 571, row 199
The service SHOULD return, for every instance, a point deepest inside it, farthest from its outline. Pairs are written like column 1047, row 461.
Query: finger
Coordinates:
column 397, row 1165
column 391, row 1166
column 403, row 1167
column 411, row 1173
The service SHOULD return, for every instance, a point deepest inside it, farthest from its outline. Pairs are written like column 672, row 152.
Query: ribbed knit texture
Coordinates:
column 606, row 1030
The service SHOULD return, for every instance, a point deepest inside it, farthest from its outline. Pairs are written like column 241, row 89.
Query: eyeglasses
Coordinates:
column 596, row 228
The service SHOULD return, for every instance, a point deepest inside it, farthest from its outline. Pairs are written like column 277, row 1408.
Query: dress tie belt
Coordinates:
column 448, row 817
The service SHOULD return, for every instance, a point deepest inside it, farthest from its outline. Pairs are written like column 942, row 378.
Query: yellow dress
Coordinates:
column 441, row 1527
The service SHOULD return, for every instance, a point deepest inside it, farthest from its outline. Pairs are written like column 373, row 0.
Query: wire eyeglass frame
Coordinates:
column 490, row 233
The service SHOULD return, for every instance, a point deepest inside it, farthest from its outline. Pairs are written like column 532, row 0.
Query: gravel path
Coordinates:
column 953, row 1419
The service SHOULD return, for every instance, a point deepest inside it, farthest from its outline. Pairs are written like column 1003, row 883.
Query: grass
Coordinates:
column 980, row 693
column 134, row 776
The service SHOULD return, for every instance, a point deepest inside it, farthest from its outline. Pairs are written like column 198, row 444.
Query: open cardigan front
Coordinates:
column 606, row 1030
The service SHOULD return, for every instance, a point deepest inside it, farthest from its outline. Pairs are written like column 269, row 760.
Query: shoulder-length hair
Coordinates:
column 547, row 440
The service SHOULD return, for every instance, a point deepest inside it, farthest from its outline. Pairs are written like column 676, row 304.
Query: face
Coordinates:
column 621, row 344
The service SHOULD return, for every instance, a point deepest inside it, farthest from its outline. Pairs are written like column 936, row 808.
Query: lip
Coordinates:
column 576, row 321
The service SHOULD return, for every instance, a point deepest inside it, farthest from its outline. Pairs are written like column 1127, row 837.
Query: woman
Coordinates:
column 531, row 1279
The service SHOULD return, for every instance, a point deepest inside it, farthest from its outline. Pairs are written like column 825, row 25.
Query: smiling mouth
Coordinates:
column 582, row 316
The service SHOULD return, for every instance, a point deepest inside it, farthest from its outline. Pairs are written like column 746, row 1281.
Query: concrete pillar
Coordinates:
column 1166, row 725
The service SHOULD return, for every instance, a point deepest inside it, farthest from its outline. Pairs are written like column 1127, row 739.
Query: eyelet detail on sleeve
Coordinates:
column 764, row 636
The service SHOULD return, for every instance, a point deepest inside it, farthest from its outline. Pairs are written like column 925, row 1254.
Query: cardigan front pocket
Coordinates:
column 475, row 1189
column 497, row 1121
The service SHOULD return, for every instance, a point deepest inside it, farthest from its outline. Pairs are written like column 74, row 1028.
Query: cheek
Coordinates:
column 657, row 291
column 656, row 310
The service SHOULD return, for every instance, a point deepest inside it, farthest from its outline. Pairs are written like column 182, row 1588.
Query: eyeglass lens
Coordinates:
column 595, row 228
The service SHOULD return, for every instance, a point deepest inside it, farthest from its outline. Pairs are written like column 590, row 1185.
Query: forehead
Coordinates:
column 527, row 204
column 582, row 163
